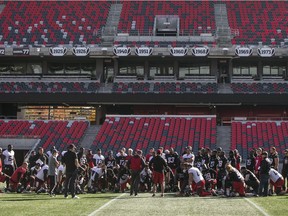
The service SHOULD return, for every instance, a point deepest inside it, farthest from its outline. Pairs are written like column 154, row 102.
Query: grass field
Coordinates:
column 122, row 204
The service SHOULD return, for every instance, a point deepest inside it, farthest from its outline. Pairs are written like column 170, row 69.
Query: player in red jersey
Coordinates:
column 17, row 176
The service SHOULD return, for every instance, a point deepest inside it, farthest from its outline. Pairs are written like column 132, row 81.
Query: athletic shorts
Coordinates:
column 158, row 178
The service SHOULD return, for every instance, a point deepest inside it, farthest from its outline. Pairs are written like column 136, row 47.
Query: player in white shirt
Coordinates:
column 123, row 154
column 41, row 177
column 8, row 157
column 277, row 181
column 196, row 179
column 60, row 178
column 188, row 156
column 98, row 158
column 96, row 175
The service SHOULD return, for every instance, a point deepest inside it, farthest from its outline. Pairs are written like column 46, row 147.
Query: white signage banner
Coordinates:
column 200, row 51
column 143, row 51
column 21, row 51
column 81, row 51
column 266, row 51
column 58, row 51
column 243, row 51
column 178, row 51
column 122, row 51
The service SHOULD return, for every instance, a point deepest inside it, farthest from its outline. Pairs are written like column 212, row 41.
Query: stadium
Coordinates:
column 141, row 75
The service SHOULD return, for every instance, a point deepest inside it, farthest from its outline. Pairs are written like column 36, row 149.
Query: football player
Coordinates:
column 17, row 177
column 196, row 181
column 250, row 180
column 8, row 157
column 277, row 181
column 209, row 177
column 236, row 179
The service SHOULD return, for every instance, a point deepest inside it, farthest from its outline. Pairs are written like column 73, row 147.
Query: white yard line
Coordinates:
column 257, row 207
column 105, row 205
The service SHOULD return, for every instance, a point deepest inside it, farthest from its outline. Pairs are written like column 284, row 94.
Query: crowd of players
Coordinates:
column 209, row 172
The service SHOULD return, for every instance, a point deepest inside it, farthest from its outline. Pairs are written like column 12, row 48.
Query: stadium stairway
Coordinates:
column 111, row 24
column 223, row 30
column 89, row 136
column 224, row 88
column 224, row 137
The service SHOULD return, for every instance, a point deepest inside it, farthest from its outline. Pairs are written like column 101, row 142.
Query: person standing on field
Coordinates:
column 72, row 164
column 8, row 157
column 158, row 165
column 265, row 167
column 136, row 165
column 52, row 171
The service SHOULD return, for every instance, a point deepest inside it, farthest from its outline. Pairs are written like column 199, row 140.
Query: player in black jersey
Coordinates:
column 250, row 179
column 231, row 159
column 222, row 161
column 198, row 160
column 213, row 160
column 121, row 158
column 112, row 171
column 250, row 162
column 206, row 154
column 182, row 177
column 173, row 160
column 110, row 161
column 210, row 177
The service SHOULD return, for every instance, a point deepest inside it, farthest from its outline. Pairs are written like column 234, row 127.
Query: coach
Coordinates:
column 71, row 161
column 136, row 165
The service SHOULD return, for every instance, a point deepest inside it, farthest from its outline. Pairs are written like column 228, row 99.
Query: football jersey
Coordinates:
column 9, row 157
column 209, row 174
column 272, row 158
column 186, row 157
column 14, row 177
column 97, row 170
column 197, row 175
column 235, row 175
column 121, row 160
column 250, row 163
column 222, row 162
column 213, row 162
column 110, row 162
column 40, row 174
column 61, row 169
column 172, row 160
column 198, row 161
column 98, row 159
column 34, row 170
column 274, row 175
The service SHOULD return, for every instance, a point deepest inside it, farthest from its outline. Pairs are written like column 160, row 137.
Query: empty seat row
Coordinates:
column 51, row 133
column 249, row 135
column 164, row 87
column 278, row 88
column 46, row 87
column 143, row 132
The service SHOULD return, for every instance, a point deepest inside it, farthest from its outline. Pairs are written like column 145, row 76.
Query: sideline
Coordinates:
column 257, row 207
column 106, row 204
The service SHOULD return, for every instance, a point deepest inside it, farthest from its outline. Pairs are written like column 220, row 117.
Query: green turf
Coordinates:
column 275, row 205
column 41, row 205
column 144, row 204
